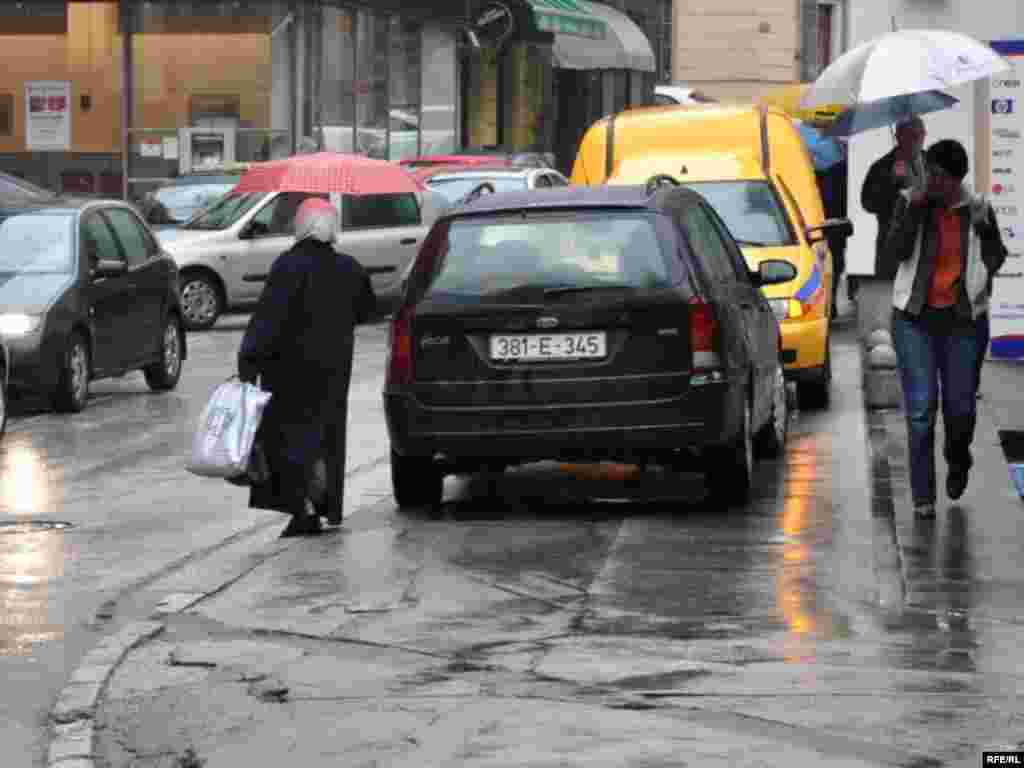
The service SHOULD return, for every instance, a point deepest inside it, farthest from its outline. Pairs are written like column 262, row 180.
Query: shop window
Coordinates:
column 439, row 118
column 404, row 69
column 6, row 114
column 337, row 80
column 374, row 211
column 38, row 17
column 372, row 49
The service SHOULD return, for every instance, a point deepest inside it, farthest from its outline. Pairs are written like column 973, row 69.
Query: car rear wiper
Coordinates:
column 562, row 290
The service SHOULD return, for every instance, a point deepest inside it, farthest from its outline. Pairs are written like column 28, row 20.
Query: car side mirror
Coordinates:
column 830, row 227
column 109, row 268
column 773, row 272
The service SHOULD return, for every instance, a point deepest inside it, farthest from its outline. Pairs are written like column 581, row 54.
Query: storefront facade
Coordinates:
column 167, row 87
column 546, row 70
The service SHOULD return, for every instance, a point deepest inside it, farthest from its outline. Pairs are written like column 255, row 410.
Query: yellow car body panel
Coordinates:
column 728, row 143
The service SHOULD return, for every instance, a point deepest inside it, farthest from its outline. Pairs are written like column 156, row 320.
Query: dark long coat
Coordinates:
column 299, row 343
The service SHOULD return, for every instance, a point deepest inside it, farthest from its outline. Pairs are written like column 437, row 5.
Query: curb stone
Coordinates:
column 72, row 716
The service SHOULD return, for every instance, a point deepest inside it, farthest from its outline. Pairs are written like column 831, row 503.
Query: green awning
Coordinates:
column 567, row 17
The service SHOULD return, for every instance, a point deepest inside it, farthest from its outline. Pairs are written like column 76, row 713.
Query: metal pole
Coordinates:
column 127, row 19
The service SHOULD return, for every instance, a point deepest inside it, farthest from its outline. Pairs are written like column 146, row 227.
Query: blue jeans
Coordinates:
column 928, row 356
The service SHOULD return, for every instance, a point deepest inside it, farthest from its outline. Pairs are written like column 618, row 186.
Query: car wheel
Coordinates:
column 730, row 469
column 817, row 394
column 201, row 303
column 416, row 482
column 771, row 439
column 72, row 391
column 165, row 372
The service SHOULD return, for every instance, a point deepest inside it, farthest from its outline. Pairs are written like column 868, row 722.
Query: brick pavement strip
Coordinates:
column 72, row 717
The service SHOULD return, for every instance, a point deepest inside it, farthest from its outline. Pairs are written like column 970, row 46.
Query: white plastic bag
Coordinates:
column 226, row 430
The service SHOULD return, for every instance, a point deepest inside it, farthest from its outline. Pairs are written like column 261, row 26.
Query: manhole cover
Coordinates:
column 11, row 527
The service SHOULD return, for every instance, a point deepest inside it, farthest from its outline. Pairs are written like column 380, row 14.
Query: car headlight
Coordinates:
column 19, row 324
column 780, row 308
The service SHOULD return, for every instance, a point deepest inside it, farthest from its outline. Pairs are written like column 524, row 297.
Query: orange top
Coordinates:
column 948, row 263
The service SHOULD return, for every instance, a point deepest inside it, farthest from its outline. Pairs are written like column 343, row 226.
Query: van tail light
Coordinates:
column 400, row 360
column 703, row 329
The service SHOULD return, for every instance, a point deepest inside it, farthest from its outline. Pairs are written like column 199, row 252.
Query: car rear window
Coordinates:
column 455, row 188
column 750, row 209
column 485, row 257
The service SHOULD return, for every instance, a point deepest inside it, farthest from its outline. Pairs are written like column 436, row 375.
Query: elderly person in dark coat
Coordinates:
column 299, row 345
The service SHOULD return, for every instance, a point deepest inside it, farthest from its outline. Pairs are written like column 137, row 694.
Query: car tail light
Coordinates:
column 703, row 329
column 400, row 361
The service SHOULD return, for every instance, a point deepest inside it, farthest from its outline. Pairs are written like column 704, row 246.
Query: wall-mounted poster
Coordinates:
column 48, row 115
column 1004, row 110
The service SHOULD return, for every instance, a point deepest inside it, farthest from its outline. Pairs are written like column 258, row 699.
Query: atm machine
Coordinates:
column 210, row 143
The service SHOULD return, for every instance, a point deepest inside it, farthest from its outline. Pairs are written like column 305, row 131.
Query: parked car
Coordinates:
column 177, row 201
column 752, row 166
column 679, row 95
column 483, row 156
column 453, row 183
column 11, row 185
column 86, row 293
column 618, row 323
column 242, row 234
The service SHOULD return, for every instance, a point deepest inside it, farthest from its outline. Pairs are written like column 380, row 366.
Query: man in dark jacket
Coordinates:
column 902, row 168
column 299, row 343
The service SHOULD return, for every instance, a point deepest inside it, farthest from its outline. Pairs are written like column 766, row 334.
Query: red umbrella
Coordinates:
column 327, row 172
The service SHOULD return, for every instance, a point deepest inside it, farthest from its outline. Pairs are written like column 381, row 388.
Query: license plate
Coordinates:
column 548, row 346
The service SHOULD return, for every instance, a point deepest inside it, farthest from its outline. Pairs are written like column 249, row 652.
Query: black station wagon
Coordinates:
column 611, row 323
column 86, row 292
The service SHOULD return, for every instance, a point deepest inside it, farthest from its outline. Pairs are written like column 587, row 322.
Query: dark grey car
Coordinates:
column 610, row 323
column 86, row 292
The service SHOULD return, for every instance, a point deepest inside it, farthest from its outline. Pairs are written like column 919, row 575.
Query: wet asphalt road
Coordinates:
column 797, row 594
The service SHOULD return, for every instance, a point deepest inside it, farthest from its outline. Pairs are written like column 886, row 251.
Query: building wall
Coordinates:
column 735, row 49
column 1002, row 19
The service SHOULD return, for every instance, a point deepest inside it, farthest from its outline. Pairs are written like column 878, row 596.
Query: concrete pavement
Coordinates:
column 309, row 663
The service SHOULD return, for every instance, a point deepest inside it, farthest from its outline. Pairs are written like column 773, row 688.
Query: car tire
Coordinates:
column 416, row 482
column 72, row 391
column 730, row 469
column 771, row 439
column 201, row 302
column 817, row 395
column 163, row 375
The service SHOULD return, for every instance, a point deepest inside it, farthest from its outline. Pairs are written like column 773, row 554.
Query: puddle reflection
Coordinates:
column 29, row 563
column 24, row 487
column 801, row 518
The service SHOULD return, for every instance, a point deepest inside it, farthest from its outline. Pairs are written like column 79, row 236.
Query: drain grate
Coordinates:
column 12, row 527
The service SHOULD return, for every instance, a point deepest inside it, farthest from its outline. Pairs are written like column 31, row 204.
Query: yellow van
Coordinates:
column 751, row 165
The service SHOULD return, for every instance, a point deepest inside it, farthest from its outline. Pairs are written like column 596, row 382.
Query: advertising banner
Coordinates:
column 1004, row 109
column 48, row 115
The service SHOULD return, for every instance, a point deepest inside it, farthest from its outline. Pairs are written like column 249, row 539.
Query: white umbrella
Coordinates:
column 904, row 62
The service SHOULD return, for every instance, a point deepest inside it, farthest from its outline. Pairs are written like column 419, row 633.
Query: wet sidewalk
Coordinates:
column 365, row 647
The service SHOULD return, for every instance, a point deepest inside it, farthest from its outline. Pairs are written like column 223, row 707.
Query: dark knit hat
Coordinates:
column 950, row 156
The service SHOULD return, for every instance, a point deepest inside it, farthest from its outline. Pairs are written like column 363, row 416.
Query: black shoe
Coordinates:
column 306, row 524
column 956, row 482
column 924, row 511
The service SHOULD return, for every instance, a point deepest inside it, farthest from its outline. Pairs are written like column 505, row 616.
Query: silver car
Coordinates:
column 455, row 184
column 240, row 236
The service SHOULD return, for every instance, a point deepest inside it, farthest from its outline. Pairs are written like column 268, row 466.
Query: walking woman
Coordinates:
column 299, row 345
column 944, row 246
